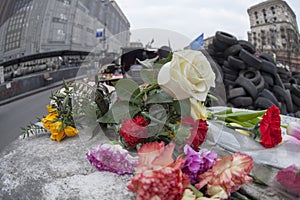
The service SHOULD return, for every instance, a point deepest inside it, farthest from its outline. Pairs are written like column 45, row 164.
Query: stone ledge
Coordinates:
column 39, row 168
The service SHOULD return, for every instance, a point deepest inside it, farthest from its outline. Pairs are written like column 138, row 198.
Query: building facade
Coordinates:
column 274, row 30
column 33, row 26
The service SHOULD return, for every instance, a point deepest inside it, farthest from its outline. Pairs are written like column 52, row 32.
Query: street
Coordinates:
column 20, row 113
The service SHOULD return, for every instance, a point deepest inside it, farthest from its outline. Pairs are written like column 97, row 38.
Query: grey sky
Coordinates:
column 192, row 17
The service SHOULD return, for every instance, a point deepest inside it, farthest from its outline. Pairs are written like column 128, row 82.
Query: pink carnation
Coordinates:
column 229, row 173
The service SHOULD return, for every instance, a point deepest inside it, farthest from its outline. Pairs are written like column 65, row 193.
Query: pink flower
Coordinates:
column 289, row 178
column 157, row 175
column 293, row 129
column 229, row 173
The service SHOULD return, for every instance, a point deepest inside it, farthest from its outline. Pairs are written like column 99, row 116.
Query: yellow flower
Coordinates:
column 198, row 109
column 55, row 126
column 47, row 124
column 50, row 108
column 51, row 116
column 57, row 135
column 70, row 131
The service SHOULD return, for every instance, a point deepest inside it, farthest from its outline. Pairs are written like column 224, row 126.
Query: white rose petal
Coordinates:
column 169, row 85
column 189, row 74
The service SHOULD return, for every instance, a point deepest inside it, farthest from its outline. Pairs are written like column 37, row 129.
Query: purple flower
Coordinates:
column 113, row 158
column 197, row 163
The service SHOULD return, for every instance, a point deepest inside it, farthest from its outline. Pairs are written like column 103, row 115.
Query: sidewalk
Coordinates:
column 53, row 85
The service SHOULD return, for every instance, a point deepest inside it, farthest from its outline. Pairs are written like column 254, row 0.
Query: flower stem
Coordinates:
column 146, row 90
column 240, row 127
column 195, row 191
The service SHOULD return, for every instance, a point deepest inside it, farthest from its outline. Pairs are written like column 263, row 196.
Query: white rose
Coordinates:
column 188, row 74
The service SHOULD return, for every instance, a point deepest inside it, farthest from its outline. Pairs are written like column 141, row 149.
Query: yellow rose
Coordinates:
column 51, row 116
column 56, row 126
column 198, row 109
column 70, row 131
column 57, row 135
column 50, row 108
column 47, row 124
column 188, row 74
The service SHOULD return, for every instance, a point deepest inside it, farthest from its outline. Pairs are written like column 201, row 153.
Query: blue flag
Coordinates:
column 99, row 32
column 198, row 42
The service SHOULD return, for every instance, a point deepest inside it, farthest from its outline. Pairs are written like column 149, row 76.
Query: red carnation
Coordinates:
column 134, row 131
column 198, row 132
column 270, row 128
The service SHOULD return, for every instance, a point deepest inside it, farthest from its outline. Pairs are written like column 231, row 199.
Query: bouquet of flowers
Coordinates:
column 170, row 106
column 60, row 120
column 165, row 121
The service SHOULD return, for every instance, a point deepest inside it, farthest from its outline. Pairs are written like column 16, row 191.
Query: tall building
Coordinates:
column 31, row 27
column 274, row 29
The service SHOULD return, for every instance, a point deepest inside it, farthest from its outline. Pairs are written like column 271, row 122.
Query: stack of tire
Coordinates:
column 254, row 81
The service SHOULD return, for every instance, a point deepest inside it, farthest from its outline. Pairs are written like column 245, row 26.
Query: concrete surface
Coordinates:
column 39, row 168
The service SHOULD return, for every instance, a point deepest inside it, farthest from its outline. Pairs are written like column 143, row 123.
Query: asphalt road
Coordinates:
column 20, row 113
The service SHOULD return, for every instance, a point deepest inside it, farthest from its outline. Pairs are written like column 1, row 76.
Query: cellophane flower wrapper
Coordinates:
column 267, row 160
column 280, row 156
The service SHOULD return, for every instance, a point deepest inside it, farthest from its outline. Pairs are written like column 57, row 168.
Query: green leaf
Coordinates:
column 118, row 112
column 125, row 89
column 149, row 76
column 183, row 107
column 182, row 133
column 241, row 116
column 164, row 133
column 160, row 97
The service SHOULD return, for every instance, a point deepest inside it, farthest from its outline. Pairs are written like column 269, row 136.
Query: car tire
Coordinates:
column 219, row 45
column 253, row 76
column 247, row 46
column 250, row 59
column 233, row 50
column 269, row 95
column 236, row 63
column 242, row 102
column 283, row 96
column 263, row 103
column 266, row 57
column 226, row 38
column 248, row 86
column 236, row 92
column 268, row 67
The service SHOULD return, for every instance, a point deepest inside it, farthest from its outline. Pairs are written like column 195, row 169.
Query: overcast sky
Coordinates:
column 187, row 19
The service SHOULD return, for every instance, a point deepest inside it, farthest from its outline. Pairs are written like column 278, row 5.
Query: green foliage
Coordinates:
column 125, row 88
column 32, row 129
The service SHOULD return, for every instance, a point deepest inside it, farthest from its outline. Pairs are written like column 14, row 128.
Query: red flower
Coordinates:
column 134, row 131
column 198, row 132
column 270, row 128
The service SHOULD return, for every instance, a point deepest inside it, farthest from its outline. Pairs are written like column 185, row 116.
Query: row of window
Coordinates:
column 12, row 45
